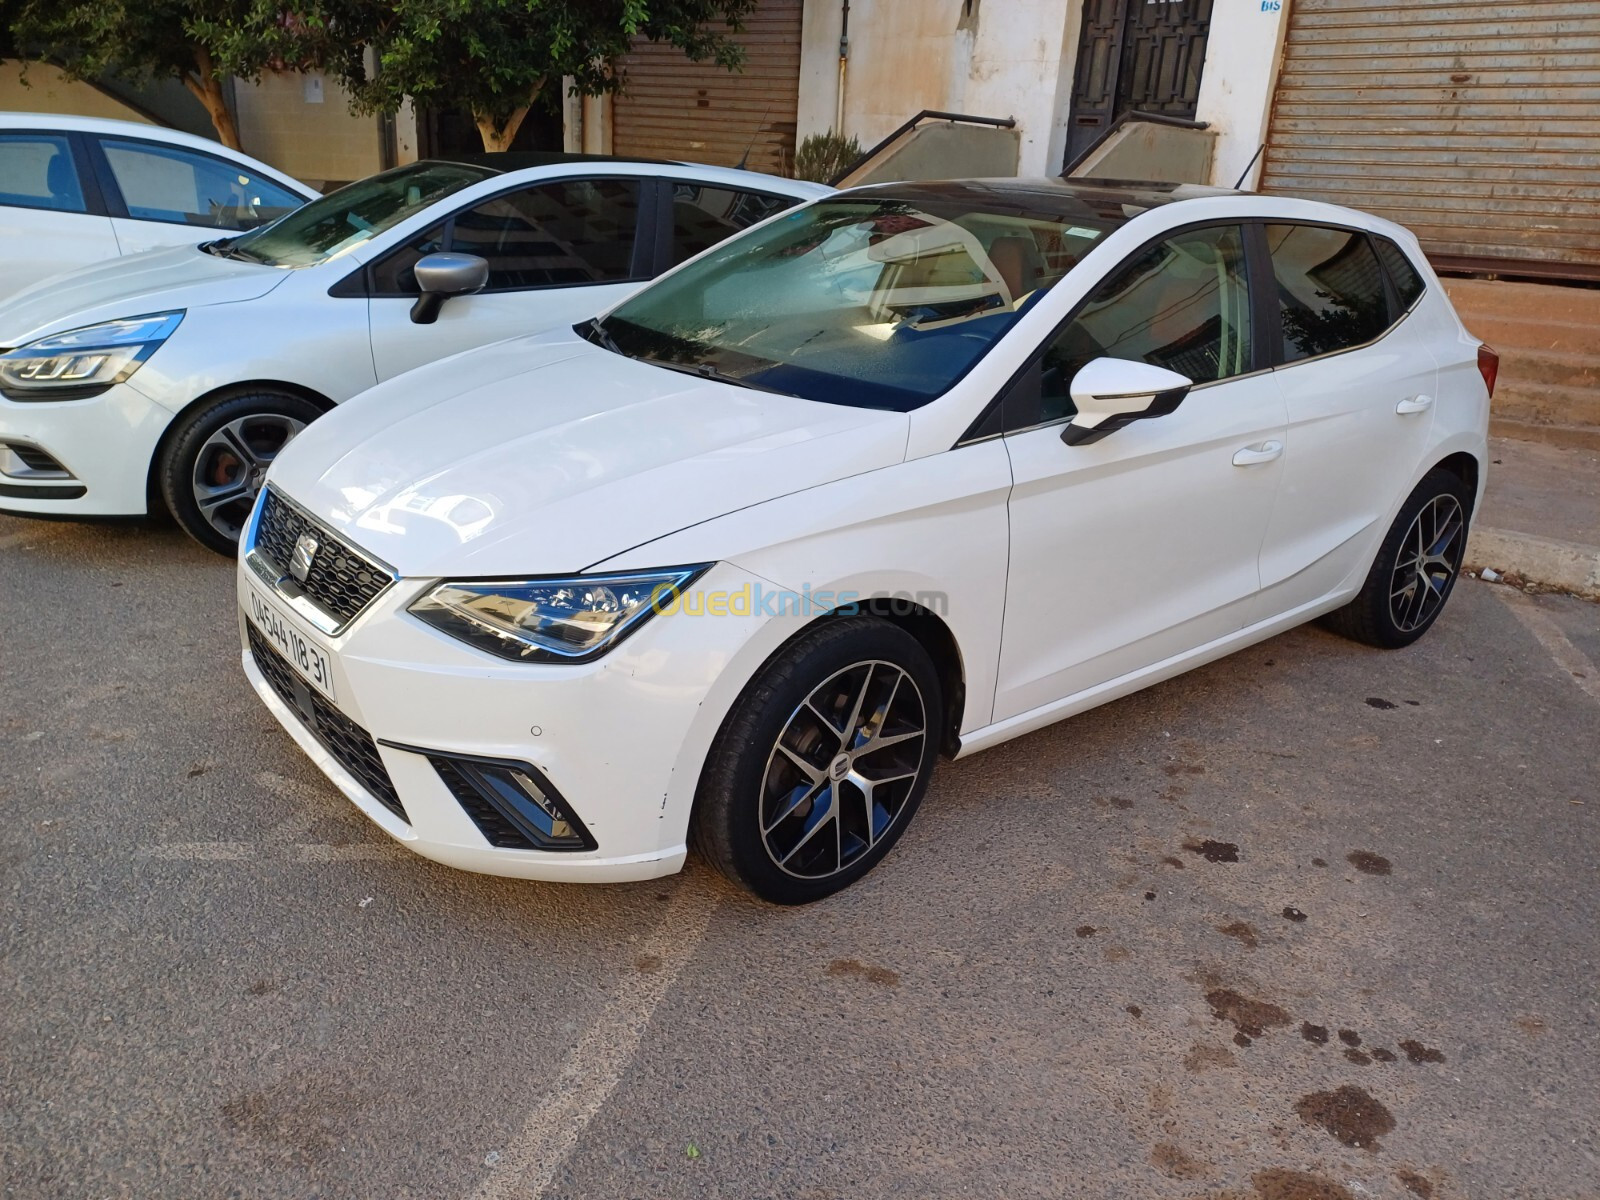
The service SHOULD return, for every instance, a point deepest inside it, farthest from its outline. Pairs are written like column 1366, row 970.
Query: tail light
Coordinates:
column 1488, row 367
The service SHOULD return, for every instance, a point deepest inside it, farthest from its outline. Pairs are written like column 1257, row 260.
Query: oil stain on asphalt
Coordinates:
column 1250, row 1017
column 1211, row 851
column 1350, row 1114
column 1369, row 863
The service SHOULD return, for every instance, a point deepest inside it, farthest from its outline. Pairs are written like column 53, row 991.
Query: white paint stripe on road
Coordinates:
column 200, row 851
column 42, row 533
column 1568, row 657
column 596, row 1064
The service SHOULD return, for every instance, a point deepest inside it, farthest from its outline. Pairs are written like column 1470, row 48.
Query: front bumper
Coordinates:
column 620, row 740
column 103, row 446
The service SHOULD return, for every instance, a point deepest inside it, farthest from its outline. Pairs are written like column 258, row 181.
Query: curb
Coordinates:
column 1544, row 562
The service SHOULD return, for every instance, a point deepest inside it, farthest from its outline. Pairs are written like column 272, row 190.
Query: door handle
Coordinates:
column 1414, row 404
column 1254, row 456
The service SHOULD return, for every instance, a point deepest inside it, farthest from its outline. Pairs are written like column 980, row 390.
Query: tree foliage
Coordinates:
column 494, row 58
column 200, row 42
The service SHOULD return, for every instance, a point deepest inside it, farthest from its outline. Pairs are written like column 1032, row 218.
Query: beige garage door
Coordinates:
column 1475, row 123
column 698, row 112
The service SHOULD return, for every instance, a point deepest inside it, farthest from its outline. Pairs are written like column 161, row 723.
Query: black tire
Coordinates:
column 737, row 796
column 223, row 448
column 1384, row 614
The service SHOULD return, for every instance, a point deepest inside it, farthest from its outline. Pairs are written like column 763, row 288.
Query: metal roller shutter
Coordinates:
column 675, row 108
column 1476, row 124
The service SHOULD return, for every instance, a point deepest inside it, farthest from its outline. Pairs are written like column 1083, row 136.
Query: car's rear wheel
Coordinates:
column 1416, row 567
column 214, row 464
column 822, row 762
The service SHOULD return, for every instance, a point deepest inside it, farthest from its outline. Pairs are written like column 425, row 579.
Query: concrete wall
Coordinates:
column 302, row 124
column 1146, row 151
column 49, row 91
column 944, row 150
column 991, row 58
column 1243, row 54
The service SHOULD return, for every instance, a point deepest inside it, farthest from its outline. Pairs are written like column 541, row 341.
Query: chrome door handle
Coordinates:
column 1414, row 404
column 1253, row 456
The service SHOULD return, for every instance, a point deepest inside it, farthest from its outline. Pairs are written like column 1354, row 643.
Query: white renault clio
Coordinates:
column 171, row 379
column 912, row 470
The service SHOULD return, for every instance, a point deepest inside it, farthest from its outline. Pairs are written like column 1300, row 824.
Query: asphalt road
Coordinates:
column 1312, row 923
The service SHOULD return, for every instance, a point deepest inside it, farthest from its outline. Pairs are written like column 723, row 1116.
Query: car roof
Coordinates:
column 69, row 123
column 507, row 162
column 1043, row 196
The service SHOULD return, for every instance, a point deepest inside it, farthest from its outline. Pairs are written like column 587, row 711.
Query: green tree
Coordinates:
column 200, row 42
column 494, row 58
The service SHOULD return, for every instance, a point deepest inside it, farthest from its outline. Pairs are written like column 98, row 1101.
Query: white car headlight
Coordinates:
column 83, row 362
column 552, row 620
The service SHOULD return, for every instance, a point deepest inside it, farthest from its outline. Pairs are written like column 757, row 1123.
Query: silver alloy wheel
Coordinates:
column 232, row 463
column 1430, row 555
column 842, row 769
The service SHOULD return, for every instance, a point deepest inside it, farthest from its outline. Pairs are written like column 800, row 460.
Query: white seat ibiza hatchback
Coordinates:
column 907, row 472
column 171, row 379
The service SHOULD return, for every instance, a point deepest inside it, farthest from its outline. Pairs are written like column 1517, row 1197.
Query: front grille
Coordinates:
column 342, row 581
column 340, row 736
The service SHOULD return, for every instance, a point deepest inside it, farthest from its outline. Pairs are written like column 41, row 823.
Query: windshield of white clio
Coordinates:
column 342, row 220
column 874, row 303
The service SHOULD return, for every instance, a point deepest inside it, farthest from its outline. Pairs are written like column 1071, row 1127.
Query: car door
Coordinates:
column 50, row 216
column 161, row 195
column 558, row 251
column 1143, row 545
column 1358, row 381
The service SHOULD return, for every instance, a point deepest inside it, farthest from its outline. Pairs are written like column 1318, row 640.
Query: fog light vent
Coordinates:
column 512, row 803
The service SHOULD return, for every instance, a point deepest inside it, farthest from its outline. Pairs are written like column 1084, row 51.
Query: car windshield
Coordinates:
column 874, row 303
column 342, row 220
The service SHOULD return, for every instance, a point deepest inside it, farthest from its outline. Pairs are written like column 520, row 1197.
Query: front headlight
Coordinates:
column 552, row 620
column 83, row 362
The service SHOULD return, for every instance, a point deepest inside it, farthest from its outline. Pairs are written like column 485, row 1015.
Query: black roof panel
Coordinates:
column 522, row 160
column 1042, row 195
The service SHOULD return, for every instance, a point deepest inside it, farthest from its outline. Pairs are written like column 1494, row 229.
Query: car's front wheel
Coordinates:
column 822, row 762
column 215, row 462
column 1416, row 567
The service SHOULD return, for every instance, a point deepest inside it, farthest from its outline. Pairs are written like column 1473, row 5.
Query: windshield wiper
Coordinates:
column 593, row 331
column 707, row 371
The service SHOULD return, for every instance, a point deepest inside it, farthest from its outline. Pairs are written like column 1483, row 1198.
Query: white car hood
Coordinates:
column 547, row 454
column 153, row 281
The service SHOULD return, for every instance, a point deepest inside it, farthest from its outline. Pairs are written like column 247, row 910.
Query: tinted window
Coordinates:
column 1407, row 283
column 1182, row 304
column 877, row 303
column 1330, row 289
column 337, row 223
column 394, row 275
column 159, row 183
column 704, row 216
column 576, row 231
column 36, row 171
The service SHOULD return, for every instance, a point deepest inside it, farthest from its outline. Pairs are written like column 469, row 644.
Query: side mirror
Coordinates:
column 441, row 276
column 1113, row 392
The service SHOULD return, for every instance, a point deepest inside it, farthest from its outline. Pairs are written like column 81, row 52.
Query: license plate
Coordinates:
column 310, row 663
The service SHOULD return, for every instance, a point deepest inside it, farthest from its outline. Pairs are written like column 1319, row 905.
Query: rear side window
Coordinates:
column 163, row 183
column 1407, row 283
column 704, row 216
column 572, row 232
column 36, row 171
column 1330, row 289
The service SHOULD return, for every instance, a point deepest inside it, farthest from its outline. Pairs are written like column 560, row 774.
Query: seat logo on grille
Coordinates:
column 305, row 549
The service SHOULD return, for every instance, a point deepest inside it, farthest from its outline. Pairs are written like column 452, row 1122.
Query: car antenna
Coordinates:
column 1249, row 166
column 745, row 157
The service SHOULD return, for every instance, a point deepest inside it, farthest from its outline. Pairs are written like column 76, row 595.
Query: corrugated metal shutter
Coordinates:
column 674, row 108
column 1476, row 124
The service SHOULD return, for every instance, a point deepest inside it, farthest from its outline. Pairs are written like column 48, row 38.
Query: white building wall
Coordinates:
column 1243, row 53
column 989, row 58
